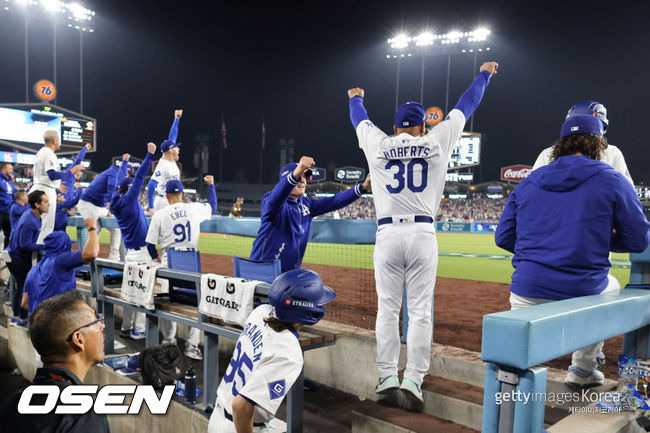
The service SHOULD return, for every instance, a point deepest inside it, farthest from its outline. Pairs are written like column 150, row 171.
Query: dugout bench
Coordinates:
column 107, row 298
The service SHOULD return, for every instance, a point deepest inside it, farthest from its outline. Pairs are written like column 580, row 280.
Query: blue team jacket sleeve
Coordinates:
column 153, row 252
column 272, row 202
column 469, row 100
column 357, row 111
column 79, row 157
column 630, row 224
column 151, row 192
column 121, row 174
column 212, row 197
column 138, row 180
column 506, row 233
column 68, row 261
column 28, row 242
column 173, row 132
column 339, row 200
column 69, row 180
column 72, row 201
column 55, row 175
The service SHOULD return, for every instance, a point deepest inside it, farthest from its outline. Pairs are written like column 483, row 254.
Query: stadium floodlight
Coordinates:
column 400, row 41
column 424, row 39
column 51, row 6
column 79, row 12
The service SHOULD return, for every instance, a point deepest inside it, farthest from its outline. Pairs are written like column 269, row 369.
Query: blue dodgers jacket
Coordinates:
column 102, row 188
column 562, row 221
column 7, row 190
column 128, row 212
column 286, row 223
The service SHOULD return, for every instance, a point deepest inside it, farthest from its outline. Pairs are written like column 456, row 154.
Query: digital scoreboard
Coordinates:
column 22, row 127
column 467, row 151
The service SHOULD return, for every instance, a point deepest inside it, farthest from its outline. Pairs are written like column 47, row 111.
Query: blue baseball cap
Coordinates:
column 582, row 124
column 289, row 168
column 174, row 186
column 125, row 183
column 409, row 115
column 132, row 366
column 169, row 144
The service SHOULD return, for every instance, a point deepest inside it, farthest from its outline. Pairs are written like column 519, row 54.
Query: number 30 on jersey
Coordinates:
column 405, row 175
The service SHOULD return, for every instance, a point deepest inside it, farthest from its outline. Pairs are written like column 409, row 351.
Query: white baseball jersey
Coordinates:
column 165, row 171
column 408, row 173
column 264, row 366
column 178, row 225
column 46, row 160
column 612, row 156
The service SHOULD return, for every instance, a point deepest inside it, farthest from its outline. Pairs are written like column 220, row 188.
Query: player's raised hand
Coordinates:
column 306, row 162
column 151, row 147
column 151, row 211
column 76, row 169
column 88, row 146
column 126, row 156
column 367, row 186
column 209, row 179
column 63, row 188
column 491, row 67
column 357, row 91
column 178, row 114
column 90, row 223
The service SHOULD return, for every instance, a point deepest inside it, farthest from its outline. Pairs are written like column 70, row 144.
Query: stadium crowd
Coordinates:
column 475, row 207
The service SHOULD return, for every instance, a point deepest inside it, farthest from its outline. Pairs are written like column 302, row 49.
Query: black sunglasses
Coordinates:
column 98, row 318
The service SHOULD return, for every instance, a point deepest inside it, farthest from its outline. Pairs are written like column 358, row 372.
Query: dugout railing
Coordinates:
column 516, row 342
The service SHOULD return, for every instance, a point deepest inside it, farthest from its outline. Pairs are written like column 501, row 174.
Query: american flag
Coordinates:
column 223, row 132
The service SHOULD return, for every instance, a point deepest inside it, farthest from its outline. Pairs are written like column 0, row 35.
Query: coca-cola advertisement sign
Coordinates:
column 515, row 173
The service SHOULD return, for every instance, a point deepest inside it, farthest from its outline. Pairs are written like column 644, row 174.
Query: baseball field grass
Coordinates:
column 466, row 256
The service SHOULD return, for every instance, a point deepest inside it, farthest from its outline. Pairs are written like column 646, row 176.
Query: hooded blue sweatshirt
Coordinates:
column 562, row 221
column 54, row 274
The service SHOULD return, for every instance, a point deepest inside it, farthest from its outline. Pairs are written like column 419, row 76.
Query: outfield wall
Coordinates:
column 336, row 231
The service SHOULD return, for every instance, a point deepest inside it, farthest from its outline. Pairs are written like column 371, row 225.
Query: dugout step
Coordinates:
column 372, row 417
column 462, row 403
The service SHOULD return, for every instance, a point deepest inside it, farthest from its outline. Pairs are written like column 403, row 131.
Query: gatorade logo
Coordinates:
column 230, row 288
column 212, row 283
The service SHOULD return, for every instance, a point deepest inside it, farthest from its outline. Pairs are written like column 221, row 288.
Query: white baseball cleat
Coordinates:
column 579, row 378
column 412, row 391
column 387, row 384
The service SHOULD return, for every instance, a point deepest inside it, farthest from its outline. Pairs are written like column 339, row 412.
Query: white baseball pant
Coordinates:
column 584, row 358
column 47, row 219
column 406, row 255
column 89, row 210
column 160, row 202
column 168, row 328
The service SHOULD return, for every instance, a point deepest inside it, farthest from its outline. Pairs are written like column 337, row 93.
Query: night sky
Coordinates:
column 293, row 62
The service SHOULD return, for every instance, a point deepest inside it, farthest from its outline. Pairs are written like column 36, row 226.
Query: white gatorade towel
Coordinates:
column 138, row 283
column 226, row 298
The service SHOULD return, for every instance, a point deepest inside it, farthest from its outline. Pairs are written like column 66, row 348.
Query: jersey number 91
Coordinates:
column 183, row 232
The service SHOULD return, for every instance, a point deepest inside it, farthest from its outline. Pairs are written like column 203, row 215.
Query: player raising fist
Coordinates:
column 408, row 173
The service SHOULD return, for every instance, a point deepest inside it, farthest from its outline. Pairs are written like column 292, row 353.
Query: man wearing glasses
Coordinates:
column 54, row 274
column 68, row 350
